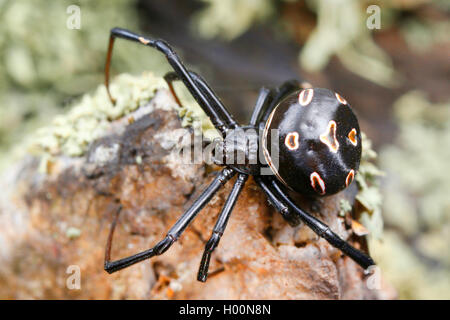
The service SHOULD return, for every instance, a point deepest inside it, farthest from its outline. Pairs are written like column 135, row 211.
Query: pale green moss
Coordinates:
column 344, row 207
column 229, row 19
column 423, row 35
column 43, row 63
column 415, row 255
column 341, row 30
column 73, row 233
column 71, row 133
column 369, row 195
column 194, row 116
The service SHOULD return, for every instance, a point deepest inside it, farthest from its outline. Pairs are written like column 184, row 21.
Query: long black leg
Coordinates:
column 319, row 227
column 267, row 100
column 207, row 91
column 174, row 233
column 282, row 91
column 220, row 226
column 288, row 215
column 208, row 106
column 265, row 96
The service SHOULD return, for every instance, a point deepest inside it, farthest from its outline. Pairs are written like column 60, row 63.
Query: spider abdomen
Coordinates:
column 318, row 142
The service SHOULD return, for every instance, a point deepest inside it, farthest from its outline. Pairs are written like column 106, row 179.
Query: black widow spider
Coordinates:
column 318, row 149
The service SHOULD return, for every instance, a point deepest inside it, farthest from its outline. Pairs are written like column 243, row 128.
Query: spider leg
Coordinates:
column 220, row 226
column 318, row 227
column 278, row 94
column 208, row 105
column 174, row 233
column 170, row 77
column 265, row 96
column 292, row 218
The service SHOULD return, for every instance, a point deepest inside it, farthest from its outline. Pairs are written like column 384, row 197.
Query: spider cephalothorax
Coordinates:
column 317, row 151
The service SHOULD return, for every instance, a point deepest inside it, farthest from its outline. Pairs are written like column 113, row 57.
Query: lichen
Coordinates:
column 344, row 207
column 73, row 233
column 369, row 195
column 193, row 116
column 71, row 133
column 44, row 64
column 341, row 30
column 229, row 19
column 414, row 253
column 421, row 35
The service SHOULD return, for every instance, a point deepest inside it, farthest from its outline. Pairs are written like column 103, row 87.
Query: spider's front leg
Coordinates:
column 201, row 92
column 212, row 97
column 269, row 98
column 174, row 233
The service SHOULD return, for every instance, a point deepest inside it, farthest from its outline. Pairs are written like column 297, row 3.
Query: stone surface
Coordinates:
column 49, row 222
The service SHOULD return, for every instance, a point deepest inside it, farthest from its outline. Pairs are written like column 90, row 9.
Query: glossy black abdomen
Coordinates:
column 318, row 144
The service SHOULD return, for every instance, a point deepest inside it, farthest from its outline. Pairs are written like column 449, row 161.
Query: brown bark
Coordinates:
column 259, row 257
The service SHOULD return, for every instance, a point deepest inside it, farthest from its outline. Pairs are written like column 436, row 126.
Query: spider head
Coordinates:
column 316, row 137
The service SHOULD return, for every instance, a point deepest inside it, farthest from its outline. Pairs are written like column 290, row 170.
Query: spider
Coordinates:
column 318, row 149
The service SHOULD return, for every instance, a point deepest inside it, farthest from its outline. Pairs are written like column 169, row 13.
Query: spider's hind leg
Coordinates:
column 320, row 228
column 220, row 226
column 289, row 216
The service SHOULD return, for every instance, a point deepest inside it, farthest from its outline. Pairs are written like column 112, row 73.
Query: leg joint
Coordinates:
column 226, row 175
column 164, row 244
column 213, row 242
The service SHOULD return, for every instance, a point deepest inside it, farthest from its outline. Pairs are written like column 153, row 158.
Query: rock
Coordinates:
column 54, row 224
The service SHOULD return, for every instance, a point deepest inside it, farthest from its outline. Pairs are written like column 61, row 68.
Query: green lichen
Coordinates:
column 341, row 30
column 369, row 195
column 71, row 133
column 421, row 35
column 193, row 116
column 414, row 253
column 44, row 64
column 73, row 233
column 344, row 207
column 229, row 19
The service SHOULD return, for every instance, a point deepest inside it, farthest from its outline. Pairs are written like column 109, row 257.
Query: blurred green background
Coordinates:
column 397, row 79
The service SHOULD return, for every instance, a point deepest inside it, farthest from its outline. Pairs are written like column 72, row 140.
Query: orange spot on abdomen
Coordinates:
column 317, row 183
column 352, row 137
column 350, row 177
column 329, row 137
column 291, row 141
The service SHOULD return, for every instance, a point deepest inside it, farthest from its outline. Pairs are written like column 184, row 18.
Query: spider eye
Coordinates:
column 319, row 147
